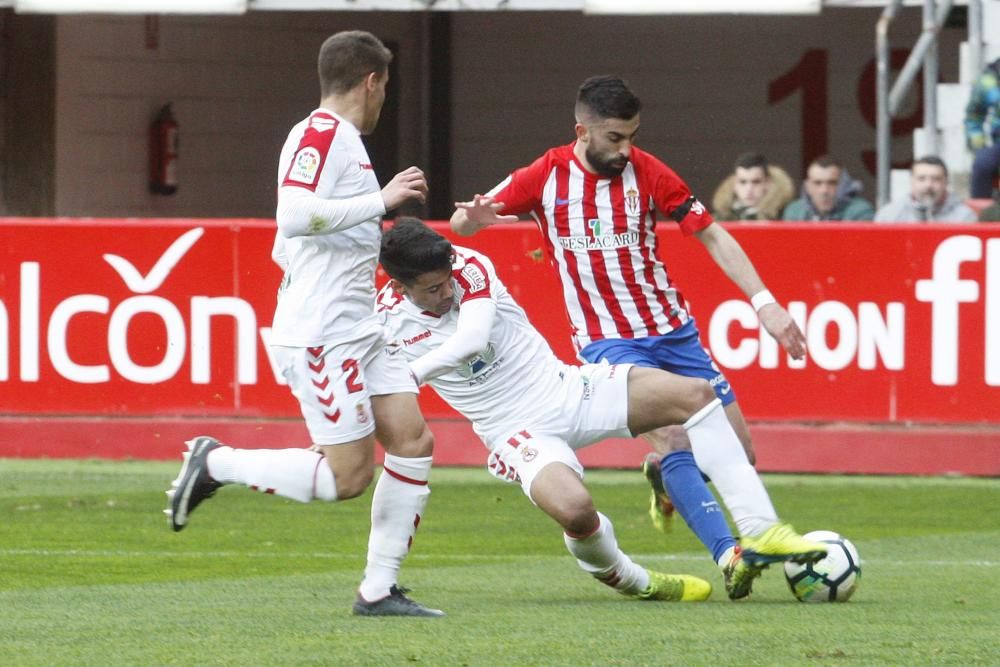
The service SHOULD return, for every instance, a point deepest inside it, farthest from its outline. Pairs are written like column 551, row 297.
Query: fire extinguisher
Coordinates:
column 163, row 143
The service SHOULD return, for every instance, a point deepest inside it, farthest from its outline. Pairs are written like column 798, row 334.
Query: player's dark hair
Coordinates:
column 346, row 58
column 932, row 160
column 752, row 160
column 411, row 248
column 607, row 96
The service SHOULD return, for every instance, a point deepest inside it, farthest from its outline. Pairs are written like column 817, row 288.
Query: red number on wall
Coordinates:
column 901, row 125
column 810, row 76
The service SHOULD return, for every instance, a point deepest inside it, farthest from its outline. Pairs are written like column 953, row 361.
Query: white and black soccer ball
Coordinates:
column 831, row 579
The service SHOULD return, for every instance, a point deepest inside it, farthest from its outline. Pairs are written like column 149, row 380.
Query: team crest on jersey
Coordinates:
column 363, row 417
column 632, row 201
column 305, row 166
column 529, row 454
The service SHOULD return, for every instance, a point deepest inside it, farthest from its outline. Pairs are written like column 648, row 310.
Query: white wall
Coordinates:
column 238, row 84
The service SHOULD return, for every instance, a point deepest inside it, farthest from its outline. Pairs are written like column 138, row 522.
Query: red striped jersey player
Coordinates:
column 596, row 202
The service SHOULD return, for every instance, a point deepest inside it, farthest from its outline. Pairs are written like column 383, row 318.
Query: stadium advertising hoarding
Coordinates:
column 171, row 318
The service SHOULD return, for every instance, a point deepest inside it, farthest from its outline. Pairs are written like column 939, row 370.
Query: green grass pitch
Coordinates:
column 90, row 574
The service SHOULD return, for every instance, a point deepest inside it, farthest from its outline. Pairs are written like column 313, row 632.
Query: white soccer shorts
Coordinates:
column 334, row 384
column 594, row 407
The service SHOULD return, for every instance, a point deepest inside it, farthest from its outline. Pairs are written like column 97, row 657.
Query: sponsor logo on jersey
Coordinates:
column 416, row 339
column 603, row 242
column 478, row 363
column 305, row 166
column 720, row 379
column 365, row 166
column 632, row 201
column 698, row 208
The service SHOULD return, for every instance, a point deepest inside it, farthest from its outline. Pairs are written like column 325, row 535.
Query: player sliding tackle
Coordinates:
column 449, row 315
column 596, row 200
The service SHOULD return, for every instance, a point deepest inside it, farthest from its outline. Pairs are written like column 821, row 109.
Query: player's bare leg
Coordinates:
column 590, row 537
column 397, row 504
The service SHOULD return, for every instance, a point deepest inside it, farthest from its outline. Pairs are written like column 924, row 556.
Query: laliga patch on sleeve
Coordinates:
column 305, row 166
column 475, row 279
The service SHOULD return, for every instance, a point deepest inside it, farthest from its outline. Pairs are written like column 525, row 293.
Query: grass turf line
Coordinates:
column 90, row 574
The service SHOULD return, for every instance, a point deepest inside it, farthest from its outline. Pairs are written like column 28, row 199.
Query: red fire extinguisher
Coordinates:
column 163, row 142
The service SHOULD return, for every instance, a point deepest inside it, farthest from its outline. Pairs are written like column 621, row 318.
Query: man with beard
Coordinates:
column 929, row 199
column 595, row 201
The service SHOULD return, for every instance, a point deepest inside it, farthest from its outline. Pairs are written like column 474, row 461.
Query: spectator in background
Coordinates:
column 982, row 131
column 829, row 193
column 929, row 199
column 992, row 212
column 755, row 190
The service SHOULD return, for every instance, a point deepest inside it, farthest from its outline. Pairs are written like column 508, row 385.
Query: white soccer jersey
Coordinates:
column 329, row 285
column 517, row 355
column 600, row 235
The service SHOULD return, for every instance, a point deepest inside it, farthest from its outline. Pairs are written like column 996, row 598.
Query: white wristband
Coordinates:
column 761, row 299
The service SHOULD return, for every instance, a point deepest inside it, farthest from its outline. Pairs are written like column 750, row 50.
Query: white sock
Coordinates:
column 299, row 474
column 397, row 505
column 720, row 455
column 599, row 555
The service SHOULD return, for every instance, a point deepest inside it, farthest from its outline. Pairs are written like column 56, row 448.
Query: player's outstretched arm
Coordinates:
column 302, row 213
column 471, row 216
column 732, row 259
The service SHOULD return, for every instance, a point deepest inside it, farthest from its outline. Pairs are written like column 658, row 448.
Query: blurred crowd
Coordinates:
column 759, row 190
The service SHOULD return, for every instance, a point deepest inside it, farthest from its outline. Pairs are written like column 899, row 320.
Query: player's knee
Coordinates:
column 668, row 439
column 699, row 394
column 417, row 446
column 580, row 519
column 352, row 482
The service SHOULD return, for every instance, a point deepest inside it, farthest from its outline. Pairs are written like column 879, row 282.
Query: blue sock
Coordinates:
column 695, row 503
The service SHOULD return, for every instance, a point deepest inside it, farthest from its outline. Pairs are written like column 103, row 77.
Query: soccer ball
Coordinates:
column 831, row 579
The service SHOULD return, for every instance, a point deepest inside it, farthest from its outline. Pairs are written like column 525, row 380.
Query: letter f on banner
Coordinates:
column 944, row 291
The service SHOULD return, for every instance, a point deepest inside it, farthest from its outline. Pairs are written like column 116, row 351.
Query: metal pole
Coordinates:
column 883, row 120
column 976, row 37
column 913, row 63
column 930, row 81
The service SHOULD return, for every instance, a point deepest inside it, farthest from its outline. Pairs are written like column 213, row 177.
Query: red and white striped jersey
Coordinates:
column 329, row 285
column 599, row 234
column 515, row 381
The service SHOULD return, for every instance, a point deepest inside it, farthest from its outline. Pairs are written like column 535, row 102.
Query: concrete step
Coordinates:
column 991, row 51
column 952, row 99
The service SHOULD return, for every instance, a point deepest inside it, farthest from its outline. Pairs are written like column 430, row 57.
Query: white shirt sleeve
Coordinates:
column 279, row 253
column 302, row 213
column 475, row 322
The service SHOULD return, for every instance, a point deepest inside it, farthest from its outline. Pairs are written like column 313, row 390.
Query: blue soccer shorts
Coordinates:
column 679, row 352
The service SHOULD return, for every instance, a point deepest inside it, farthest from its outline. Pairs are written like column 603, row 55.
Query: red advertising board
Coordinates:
column 169, row 318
